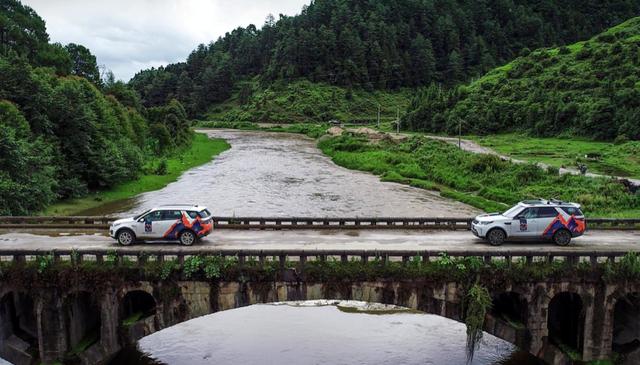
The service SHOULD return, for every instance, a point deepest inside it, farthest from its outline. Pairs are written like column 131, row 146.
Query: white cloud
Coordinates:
column 129, row 35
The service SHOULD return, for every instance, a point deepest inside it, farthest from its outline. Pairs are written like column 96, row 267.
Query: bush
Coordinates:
column 162, row 168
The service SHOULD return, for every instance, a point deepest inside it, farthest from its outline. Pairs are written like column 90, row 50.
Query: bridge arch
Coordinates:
column 83, row 319
column 511, row 307
column 565, row 320
column 137, row 304
column 626, row 327
column 18, row 326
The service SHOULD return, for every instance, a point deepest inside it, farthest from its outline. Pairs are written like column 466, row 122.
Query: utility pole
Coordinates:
column 460, row 133
column 378, row 116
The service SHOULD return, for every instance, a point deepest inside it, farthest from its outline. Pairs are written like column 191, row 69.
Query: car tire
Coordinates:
column 496, row 237
column 562, row 237
column 188, row 238
column 126, row 237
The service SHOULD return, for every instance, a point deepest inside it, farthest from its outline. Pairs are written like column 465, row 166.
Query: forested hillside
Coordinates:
column 378, row 44
column 589, row 88
column 63, row 131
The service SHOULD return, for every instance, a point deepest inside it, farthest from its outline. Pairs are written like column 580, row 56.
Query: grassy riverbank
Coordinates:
column 484, row 181
column 605, row 158
column 201, row 151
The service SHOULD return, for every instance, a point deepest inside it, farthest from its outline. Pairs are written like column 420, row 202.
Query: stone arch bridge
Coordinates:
column 81, row 320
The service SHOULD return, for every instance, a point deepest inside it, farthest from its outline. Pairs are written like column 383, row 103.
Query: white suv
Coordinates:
column 532, row 219
column 186, row 223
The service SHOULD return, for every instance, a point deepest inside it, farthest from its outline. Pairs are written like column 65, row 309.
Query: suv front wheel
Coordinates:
column 126, row 237
column 562, row 237
column 187, row 238
column 496, row 237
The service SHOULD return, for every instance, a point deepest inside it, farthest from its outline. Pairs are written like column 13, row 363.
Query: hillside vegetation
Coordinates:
column 377, row 44
column 63, row 130
column 304, row 101
column 590, row 89
column 482, row 180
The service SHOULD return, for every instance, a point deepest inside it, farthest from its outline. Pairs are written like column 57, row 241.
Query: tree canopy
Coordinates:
column 63, row 131
column 590, row 89
column 378, row 44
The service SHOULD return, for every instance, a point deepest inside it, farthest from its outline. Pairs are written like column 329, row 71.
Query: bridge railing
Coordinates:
column 424, row 223
column 140, row 256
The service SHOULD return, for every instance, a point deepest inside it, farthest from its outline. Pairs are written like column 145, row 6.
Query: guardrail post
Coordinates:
column 487, row 260
column 425, row 258
column 344, row 258
column 594, row 260
column 529, row 260
column 364, row 258
column 283, row 262
column 405, row 259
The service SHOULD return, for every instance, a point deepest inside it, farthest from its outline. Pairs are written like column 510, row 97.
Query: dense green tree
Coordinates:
column 588, row 89
column 84, row 63
column 62, row 131
column 377, row 44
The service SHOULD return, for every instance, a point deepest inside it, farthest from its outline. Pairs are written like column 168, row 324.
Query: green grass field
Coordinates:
column 610, row 159
column 201, row 151
column 480, row 180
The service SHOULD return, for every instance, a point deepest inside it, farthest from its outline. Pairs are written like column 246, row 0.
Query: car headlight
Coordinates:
column 484, row 223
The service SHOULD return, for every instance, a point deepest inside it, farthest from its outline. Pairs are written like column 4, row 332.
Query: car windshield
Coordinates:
column 141, row 214
column 512, row 212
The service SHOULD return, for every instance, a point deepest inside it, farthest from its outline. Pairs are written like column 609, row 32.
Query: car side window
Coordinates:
column 153, row 216
column 547, row 212
column 572, row 211
column 171, row 215
column 192, row 214
column 528, row 213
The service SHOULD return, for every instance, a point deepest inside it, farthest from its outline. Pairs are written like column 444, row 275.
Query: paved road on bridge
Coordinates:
column 324, row 239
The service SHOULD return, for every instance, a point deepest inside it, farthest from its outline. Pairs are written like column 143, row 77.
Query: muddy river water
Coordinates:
column 272, row 174
column 282, row 174
column 317, row 334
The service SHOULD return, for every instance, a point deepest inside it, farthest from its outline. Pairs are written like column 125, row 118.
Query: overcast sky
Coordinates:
column 129, row 35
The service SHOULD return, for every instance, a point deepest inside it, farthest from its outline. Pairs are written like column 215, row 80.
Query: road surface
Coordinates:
column 325, row 239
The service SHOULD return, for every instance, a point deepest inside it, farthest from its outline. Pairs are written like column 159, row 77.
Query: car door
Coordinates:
column 167, row 227
column 148, row 225
column 523, row 224
column 544, row 220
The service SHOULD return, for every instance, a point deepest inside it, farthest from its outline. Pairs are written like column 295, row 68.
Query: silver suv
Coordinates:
column 532, row 219
column 186, row 223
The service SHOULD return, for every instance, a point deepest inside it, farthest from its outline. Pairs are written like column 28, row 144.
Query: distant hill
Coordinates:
column 377, row 44
column 589, row 88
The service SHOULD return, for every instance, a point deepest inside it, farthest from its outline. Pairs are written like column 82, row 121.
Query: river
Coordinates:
column 280, row 174
column 284, row 174
column 317, row 334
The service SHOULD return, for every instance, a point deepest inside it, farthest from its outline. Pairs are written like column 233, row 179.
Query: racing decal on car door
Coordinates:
column 148, row 226
column 574, row 225
column 196, row 225
column 523, row 225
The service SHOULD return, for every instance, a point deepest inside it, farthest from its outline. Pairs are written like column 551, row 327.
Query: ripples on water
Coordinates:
column 285, row 334
column 283, row 174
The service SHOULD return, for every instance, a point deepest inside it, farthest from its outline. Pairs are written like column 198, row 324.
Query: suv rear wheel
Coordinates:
column 562, row 237
column 496, row 237
column 126, row 237
column 187, row 238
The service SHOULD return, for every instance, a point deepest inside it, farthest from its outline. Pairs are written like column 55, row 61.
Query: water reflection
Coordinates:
column 284, row 334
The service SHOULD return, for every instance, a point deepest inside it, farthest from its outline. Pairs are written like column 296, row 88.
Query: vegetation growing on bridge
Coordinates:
column 475, row 276
column 484, row 181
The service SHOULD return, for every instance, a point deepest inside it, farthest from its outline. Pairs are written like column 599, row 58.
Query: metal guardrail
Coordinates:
column 140, row 256
column 445, row 223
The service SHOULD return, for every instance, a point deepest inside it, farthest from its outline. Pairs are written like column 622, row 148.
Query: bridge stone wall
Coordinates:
column 180, row 301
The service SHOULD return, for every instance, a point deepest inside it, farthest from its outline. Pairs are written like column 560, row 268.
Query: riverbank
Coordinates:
column 483, row 181
column 202, row 150
column 479, row 180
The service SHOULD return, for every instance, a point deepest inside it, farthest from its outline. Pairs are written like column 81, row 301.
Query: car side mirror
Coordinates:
column 141, row 220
